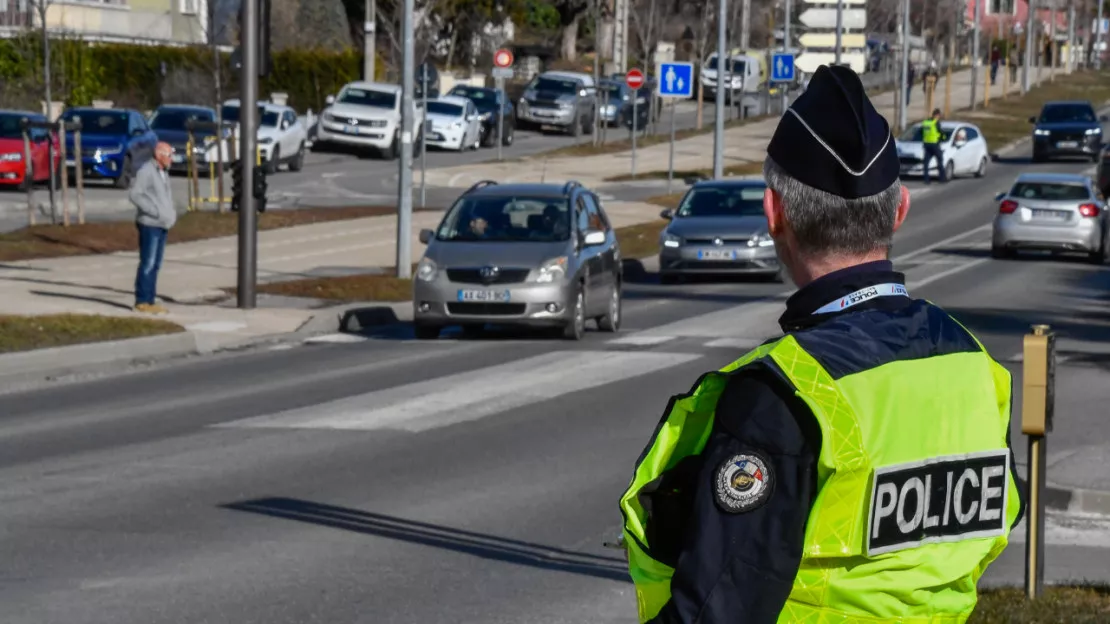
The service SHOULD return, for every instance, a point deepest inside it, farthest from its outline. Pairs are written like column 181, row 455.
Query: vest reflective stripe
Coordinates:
column 852, row 413
column 929, row 131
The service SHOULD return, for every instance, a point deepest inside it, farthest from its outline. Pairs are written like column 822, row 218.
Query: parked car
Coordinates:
column 282, row 136
column 170, row 123
column 563, row 100
column 718, row 228
column 616, row 99
column 742, row 77
column 491, row 104
column 1067, row 129
column 1054, row 212
column 115, row 142
column 13, row 165
column 540, row 255
column 453, row 123
column 365, row 115
column 1103, row 174
column 962, row 144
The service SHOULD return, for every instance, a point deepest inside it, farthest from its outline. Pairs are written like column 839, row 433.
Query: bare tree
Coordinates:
column 40, row 7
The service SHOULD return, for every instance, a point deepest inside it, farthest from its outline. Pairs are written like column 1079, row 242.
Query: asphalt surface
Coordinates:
column 463, row 480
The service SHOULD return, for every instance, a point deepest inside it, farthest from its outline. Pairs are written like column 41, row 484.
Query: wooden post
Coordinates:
column 79, row 175
column 29, row 173
column 64, row 173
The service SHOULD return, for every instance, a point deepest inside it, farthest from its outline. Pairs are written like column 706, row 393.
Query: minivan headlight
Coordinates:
column 670, row 240
column 426, row 270
column 552, row 270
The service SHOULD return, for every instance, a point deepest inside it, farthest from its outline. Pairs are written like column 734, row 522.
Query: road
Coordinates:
column 376, row 479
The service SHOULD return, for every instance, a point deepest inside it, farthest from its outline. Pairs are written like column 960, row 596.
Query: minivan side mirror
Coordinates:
column 329, row 100
column 667, row 214
column 426, row 236
column 594, row 238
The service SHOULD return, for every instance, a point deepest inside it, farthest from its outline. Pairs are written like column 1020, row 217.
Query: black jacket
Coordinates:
column 734, row 567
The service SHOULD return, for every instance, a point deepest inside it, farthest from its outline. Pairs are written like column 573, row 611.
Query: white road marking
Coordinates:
column 943, row 274
column 469, row 396
column 335, row 339
column 734, row 343
column 641, row 340
column 941, row 244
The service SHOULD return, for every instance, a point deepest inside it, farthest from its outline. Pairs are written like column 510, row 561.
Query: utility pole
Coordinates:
column 1071, row 36
column 620, row 40
column 369, row 44
column 597, row 76
column 248, row 129
column 975, row 51
column 1098, row 37
column 839, row 27
column 1029, row 56
column 902, row 80
column 746, row 28
column 404, row 186
column 719, row 129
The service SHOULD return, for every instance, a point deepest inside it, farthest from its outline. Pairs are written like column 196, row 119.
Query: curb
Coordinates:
column 1077, row 500
column 60, row 361
column 355, row 317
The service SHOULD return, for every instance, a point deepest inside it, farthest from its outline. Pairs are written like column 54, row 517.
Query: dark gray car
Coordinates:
column 539, row 255
column 718, row 228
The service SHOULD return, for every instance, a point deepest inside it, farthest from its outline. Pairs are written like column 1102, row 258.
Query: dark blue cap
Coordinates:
column 833, row 139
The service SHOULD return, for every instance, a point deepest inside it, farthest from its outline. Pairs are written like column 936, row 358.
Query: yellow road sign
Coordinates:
column 848, row 41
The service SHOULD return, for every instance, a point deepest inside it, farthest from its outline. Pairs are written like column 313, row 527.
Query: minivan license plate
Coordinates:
column 1067, row 144
column 488, row 296
column 716, row 254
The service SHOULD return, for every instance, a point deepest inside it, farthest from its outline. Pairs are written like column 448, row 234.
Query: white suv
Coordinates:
column 365, row 114
column 281, row 134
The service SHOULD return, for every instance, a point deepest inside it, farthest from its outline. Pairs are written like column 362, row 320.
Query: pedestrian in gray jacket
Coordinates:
column 150, row 192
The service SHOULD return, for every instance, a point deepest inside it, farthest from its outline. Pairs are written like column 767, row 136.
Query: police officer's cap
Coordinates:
column 833, row 139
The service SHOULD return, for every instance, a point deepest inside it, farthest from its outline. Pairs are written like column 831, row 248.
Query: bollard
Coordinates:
column 28, row 172
column 1037, row 407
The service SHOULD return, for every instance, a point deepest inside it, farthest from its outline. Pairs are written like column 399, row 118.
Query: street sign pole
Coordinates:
column 635, row 127
column 500, row 84
column 1098, row 38
column 670, row 156
column 404, row 164
column 423, row 133
column 974, row 52
column 786, row 49
column 675, row 81
column 839, row 27
column 635, row 80
column 903, row 79
column 248, row 124
column 1029, row 57
column 719, row 121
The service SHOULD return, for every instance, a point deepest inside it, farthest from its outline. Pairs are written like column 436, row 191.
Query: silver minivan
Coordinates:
column 538, row 255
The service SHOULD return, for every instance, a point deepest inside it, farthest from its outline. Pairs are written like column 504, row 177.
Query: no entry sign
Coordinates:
column 634, row 79
column 503, row 58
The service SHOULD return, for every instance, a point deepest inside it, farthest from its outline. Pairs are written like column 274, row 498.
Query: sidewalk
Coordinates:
column 194, row 274
column 742, row 144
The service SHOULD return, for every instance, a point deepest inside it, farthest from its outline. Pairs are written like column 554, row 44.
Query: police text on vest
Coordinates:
column 942, row 499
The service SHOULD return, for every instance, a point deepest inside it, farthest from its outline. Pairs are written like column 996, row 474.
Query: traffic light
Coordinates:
column 260, row 187
column 236, row 185
column 265, row 60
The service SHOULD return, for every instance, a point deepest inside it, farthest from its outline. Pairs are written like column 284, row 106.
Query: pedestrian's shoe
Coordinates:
column 145, row 308
column 158, row 309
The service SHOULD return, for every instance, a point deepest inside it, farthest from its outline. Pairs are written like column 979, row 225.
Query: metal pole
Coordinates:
column 786, row 48
column 670, row 158
column 248, row 124
column 1052, row 45
column 65, row 178
column 904, row 75
column 78, row 173
column 369, row 45
column 1071, row 37
column 29, row 171
column 1038, row 388
column 404, row 188
column 597, row 81
column 423, row 138
column 975, row 51
column 719, row 129
column 500, row 115
column 1098, row 38
column 1034, row 522
column 624, row 34
column 635, row 129
column 1029, row 56
column 746, row 28
column 839, row 27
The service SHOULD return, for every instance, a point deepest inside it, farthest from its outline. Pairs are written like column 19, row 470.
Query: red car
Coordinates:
column 12, row 168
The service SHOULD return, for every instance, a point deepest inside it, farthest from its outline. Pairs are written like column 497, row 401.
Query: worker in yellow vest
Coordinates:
column 857, row 468
column 930, row 139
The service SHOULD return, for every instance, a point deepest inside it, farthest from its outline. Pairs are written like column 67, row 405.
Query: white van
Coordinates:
column 742, row 77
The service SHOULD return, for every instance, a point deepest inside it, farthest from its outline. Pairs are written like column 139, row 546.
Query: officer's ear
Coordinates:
column 903, row 209
column 772, row 209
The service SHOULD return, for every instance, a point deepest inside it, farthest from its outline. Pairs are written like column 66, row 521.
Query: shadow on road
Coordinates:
column 438, row 536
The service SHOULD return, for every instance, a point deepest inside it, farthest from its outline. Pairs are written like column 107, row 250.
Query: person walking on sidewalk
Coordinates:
column 996, row 60
column 153, row 199
column 857, row 468
column 930, row 139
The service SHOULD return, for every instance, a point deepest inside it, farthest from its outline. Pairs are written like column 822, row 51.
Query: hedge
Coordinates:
column 144, row 76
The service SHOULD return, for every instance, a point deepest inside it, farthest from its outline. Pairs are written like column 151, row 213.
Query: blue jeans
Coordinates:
column 932, row 150
column 152, row 245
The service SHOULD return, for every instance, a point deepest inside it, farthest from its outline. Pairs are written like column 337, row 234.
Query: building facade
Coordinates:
column 146, row 21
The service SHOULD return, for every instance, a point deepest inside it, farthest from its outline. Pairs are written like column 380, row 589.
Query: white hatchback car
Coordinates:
column 281, row 134
column 453, row 123
column 962, row 144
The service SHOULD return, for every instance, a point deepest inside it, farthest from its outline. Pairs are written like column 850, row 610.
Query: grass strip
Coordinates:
column 1058, row 605
column 24, row 333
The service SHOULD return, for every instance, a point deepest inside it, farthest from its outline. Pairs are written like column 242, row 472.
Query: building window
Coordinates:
column 1003, row 7
column 189, row 7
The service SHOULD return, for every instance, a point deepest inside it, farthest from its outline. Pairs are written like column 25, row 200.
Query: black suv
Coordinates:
column 490, row 103
column 564, row 100
column 1068, row 129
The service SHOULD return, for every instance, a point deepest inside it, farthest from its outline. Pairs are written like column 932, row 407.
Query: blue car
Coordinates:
column 114, row 143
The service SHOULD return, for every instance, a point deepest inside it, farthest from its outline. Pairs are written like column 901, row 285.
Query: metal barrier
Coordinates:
column 1037, row 411
column 59, row 130
column 216, row 169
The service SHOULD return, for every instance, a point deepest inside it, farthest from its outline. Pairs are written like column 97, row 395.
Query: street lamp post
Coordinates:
column 975, row 51
column 404, row 186
column 719, row 121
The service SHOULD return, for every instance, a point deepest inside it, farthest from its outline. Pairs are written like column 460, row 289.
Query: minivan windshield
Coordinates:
column 507, row 218
column 737, row 65
column 1050, row 191
column 739, row 201
column 556, row 85
column 368, row 97
column 1067, row 113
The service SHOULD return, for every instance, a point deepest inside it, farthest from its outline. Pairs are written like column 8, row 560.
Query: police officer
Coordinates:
column 857, row 468
column 930, row 139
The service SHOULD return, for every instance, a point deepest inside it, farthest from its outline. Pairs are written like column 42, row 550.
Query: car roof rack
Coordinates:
column 478, row 185
column 570, row 185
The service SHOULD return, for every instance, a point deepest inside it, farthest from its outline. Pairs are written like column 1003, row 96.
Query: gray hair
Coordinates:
column 826, row 224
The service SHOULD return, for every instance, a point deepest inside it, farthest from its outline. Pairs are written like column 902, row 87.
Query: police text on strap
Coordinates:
column 861, row 295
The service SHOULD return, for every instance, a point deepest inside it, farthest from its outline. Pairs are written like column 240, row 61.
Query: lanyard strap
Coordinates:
column 861, row 295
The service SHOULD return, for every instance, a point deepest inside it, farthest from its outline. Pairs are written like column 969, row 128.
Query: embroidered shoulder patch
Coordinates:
column 744, row 482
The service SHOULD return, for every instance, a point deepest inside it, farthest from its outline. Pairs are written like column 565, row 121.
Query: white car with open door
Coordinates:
column 453, row 123
column 962, row 144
